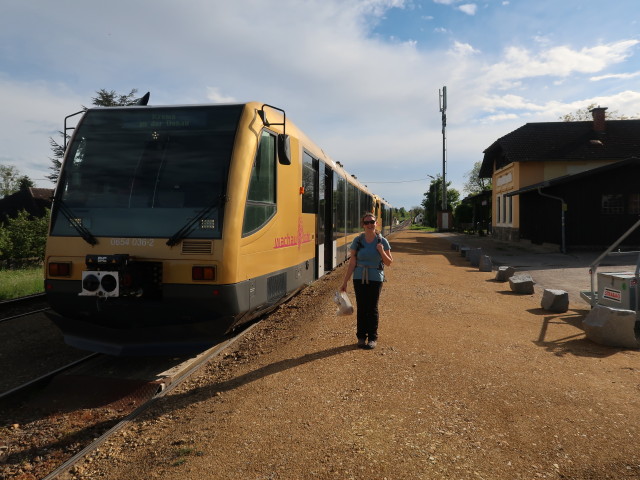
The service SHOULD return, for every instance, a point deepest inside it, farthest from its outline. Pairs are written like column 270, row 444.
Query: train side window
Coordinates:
column 261, row 197
column 309, row 182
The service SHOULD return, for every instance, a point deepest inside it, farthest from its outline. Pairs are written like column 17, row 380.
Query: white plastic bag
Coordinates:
column 344, row 304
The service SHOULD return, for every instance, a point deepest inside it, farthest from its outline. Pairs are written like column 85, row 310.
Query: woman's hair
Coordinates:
column 368, row 214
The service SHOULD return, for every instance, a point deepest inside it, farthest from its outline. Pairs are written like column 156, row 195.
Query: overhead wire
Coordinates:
column 399, row 181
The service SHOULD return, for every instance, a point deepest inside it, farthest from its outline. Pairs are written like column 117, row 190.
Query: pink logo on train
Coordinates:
column 293, row 240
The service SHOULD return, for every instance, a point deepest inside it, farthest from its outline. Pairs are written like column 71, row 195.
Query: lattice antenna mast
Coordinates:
column 443, row 110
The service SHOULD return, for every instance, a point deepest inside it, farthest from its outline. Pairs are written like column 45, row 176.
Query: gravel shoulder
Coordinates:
column 469, row 381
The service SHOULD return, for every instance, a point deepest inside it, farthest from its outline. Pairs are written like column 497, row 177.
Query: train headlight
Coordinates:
column 90, row 283
column 109, row 283
column 100, row 284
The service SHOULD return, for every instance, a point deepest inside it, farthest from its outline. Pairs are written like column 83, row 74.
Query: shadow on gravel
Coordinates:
column 577, row 344
column 196, row 394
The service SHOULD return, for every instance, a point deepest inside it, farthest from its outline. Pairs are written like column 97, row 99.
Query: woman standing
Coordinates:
column 369, row 252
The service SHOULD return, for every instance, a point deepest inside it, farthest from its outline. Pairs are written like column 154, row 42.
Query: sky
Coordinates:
column 360, row 77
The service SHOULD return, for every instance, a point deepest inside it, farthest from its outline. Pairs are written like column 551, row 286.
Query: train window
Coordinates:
column 339, row 205
column 133, row 172
column 309, row 182
column 261, row 197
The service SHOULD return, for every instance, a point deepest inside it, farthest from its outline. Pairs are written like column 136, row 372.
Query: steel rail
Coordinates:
column 18, row 300
column 45, row 377
column 6, row 319
column 138, row 411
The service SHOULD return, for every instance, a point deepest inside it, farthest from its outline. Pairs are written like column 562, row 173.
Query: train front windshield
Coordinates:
column 147, row 172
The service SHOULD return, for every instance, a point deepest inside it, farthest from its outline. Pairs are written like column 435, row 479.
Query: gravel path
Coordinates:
column 469, row 381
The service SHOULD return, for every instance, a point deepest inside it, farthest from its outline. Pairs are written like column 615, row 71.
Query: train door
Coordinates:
column 325, row 245
column 329, row 220
column 321, row 236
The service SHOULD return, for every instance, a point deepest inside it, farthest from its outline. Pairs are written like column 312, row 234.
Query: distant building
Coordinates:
column 33, row 200
column 566, row 183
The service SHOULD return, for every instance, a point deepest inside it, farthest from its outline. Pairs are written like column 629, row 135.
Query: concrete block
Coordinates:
column 614, row 327
column 521, row 283
column 555, row 300
column 473, row 255
column 505, row 273
column 464, row 250
column 486, row 265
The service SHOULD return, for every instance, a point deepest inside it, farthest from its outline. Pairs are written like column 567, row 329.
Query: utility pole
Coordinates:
column 443, row 110
column 435, row 200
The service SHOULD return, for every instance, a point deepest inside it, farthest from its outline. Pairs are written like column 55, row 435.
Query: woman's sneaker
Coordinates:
column 372, row 344
column 362, row 343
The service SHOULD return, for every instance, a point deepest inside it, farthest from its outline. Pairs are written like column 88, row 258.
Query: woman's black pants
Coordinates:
column 367, row 296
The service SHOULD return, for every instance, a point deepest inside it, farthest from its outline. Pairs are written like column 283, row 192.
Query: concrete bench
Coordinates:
column 473, row 255
column 555, row 300
column 614, row 327
column 486, row 265
column 521, row 283
column 505, row 273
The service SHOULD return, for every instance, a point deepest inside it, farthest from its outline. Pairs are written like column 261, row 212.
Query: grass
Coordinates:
column 20, row 283
column 422, row 228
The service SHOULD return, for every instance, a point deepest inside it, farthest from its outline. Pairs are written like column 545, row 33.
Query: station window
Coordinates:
column 612, row 204
column 261, row 197
column 634, row 204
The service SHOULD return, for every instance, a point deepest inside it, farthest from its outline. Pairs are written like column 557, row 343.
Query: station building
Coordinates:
column 572, row 184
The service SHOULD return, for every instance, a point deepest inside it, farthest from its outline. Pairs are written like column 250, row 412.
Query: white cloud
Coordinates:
column 560, row 61
column 463, row 49
column 369, row 103
column 623, row 76
column 32, row 113
column 468, row 8
column 214, row 95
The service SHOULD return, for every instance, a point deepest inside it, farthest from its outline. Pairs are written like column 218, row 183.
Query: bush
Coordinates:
column 23, row 237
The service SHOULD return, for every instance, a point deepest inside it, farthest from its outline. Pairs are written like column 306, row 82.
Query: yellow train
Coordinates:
column 173, row 225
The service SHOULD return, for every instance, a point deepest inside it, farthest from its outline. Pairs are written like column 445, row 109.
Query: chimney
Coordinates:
column 598, row 119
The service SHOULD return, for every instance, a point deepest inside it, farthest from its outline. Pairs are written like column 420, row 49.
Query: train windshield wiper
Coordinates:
column 191, row 224
column 76, row 222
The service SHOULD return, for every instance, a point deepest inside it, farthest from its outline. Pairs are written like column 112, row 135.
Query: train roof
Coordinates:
column 290, row 128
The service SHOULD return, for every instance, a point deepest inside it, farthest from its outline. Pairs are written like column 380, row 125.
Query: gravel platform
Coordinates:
column 469, row 381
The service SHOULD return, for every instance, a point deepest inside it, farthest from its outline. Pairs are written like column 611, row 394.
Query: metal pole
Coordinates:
column 443, row 110
column 435, row 199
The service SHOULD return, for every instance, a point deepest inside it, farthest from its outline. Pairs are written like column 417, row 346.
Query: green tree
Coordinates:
column 25, row 183
column 103, row 98
column 584, row 115
column 432, row 201
column 11, row 181
column 474, row 183
column 463, row 214
column 24, row 237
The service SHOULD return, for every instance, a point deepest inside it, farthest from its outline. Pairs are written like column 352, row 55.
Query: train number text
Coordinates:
column 134, row 242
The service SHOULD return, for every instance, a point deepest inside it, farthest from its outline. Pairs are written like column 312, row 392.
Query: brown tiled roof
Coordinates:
column 554, row 141
column 33, row 200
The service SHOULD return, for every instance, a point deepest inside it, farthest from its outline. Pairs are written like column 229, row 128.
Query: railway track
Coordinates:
column 22, row 306
column 42, row 379
column 82, row 428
